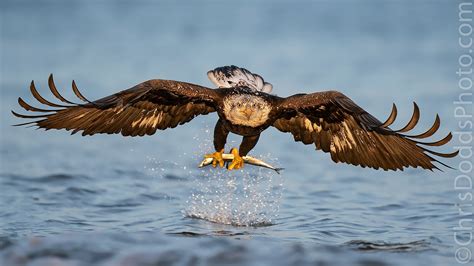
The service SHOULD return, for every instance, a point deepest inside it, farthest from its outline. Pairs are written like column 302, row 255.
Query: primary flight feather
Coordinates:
column 329, row 120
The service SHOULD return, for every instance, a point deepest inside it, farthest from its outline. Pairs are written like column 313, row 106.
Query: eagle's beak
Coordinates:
column 248, row 112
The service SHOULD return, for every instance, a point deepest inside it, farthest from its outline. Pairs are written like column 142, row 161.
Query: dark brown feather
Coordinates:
column 353, row 136
column 28, row 107
column 391, row 118
column 28, row 116
column 437, row 143
column 40, row 98
column 151, row 105
column 55, row 92
column 413, row 121
column 430, row 131
column 78, row 93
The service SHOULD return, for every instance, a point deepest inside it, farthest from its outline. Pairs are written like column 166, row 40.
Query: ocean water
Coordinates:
column 110, row 200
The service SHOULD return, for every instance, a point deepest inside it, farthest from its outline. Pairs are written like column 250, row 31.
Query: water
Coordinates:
column 109, row 200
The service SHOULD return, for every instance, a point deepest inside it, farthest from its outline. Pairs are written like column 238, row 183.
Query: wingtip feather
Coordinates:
column 413, row 121
column 391, row 118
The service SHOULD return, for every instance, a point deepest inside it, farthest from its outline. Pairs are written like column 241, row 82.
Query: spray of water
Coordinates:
column 247, row 197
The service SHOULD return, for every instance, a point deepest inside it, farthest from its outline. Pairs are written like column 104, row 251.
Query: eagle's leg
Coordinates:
column 220, row 138
column 248, row 142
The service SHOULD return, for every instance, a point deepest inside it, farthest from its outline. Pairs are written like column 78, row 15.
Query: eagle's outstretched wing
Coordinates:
column 335, row 124
column 142, row 109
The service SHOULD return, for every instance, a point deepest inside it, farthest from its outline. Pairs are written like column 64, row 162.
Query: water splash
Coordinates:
column 242, row 198
column 158, row 168
column 247, row 197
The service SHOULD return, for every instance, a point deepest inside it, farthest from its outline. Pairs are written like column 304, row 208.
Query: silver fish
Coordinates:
column 247, row 159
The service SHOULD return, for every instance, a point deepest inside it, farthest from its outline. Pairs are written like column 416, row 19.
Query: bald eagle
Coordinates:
column 245, row 106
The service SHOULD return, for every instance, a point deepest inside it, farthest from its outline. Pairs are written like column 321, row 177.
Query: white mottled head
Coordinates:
column 246, row 110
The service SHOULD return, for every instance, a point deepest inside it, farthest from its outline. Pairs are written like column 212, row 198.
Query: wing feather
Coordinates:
column 55, row 91
column 335, row 124
column 40, row 98
column 391, row 118
column 413, row 121
column 430, row 131
column 28, row 107
column 138, row 111
column 78, row 93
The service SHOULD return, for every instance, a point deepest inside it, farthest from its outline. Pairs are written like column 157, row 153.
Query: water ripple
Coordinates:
column 419, row 245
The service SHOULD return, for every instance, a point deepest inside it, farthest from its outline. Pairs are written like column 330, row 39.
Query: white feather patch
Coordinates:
column 232, row 76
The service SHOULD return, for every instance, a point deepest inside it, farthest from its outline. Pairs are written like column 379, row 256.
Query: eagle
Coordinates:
column 245, row 106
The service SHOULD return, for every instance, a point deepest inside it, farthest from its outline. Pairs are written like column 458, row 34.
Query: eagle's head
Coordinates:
column 246, row 110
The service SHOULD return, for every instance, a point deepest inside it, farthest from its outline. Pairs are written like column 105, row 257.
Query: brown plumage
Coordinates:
column 335, row 124
column 329, row 120
column 139, row 111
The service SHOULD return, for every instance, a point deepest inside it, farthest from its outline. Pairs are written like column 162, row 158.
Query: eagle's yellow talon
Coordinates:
column 216, row 158
column 237, row 162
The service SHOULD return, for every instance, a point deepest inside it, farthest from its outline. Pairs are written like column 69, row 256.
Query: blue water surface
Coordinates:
column 111, row 200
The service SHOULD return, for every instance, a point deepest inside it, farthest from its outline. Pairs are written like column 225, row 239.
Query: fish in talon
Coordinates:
column 229, row 157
